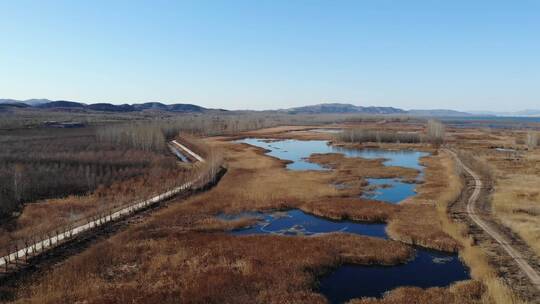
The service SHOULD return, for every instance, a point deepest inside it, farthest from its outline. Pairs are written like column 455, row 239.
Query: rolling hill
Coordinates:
column 102, row 107
column 337, row 108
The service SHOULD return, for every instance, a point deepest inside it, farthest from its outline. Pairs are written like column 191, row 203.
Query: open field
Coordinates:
column 514, row 170
column 185, row 239
column 186, row 251
column 517, row 198
column 505, row 164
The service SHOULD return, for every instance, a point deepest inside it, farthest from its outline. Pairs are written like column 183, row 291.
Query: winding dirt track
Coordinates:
column 521, row 262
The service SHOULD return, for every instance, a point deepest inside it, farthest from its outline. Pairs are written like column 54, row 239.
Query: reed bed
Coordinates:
column 180, row 254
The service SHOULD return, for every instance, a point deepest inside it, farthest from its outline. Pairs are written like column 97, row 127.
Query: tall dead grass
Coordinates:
column 516, row 202
column 153, row 263
column 466, row 292
column 178, row 255
column 474, row 256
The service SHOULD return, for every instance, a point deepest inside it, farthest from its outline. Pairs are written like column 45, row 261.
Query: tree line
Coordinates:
column 38, row 164
column 434, row 134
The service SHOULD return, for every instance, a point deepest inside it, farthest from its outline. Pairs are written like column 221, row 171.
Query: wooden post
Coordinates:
column 34, row 244
column 26, row 250
column 49, row 237
column 16, row 254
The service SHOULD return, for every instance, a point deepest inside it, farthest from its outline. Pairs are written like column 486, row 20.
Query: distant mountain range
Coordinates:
column 103, row 107
column 324, row 108
column 337, row 108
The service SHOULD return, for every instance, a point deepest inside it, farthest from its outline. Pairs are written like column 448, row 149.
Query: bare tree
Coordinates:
column 18, row 186
column 532, row 140
column 435, row 132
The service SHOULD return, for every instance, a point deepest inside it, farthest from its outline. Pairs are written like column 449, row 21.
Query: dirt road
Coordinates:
column 494, row 232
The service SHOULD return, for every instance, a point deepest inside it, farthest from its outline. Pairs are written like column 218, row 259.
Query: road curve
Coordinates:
column 529, row 272
column 57, row 239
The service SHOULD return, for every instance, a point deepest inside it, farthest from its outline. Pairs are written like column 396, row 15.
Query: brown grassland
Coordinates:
column 183, row 254
column 179, row 249
column 516, row 200
column 515, row 171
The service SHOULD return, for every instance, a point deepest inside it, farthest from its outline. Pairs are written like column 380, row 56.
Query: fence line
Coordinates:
column 38, row 244
column 18, row 254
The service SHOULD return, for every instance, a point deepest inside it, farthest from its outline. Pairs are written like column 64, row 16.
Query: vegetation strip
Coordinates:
column 53, row 241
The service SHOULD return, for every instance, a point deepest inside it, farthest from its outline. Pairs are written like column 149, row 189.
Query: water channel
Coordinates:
column 428, row 268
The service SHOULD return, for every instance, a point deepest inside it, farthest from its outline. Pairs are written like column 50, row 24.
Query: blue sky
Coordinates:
column 466, row 55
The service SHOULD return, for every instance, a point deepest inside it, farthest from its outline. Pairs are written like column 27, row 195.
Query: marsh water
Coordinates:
column 297, row 151
column 297, row 222
column 427, row 269
column 389, row 190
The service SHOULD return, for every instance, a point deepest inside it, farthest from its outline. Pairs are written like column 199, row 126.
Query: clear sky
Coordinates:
column 465, row 55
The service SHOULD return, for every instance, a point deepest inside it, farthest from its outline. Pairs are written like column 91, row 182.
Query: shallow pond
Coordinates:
column 389, row 190
column 297, row 222
column 298, row 150
column 428, row 269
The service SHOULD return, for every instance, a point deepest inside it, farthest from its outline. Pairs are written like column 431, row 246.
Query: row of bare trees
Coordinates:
column 143, row 136
column 435, row 133
column 363, row 136
column 153, row 135
column 20, row 250
column 49, row 163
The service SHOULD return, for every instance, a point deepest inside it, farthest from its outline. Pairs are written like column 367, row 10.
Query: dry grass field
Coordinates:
column 183, row 253
column 515, row 172
column 468, row 292
column 516, row 200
